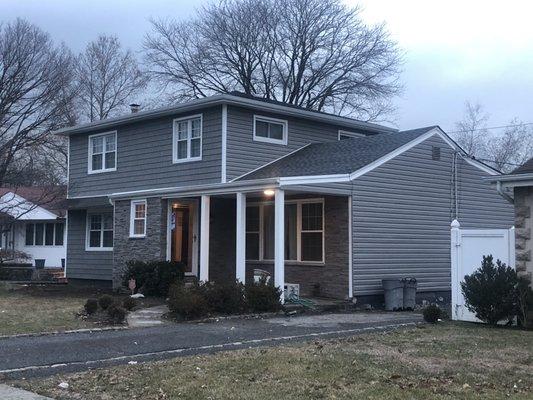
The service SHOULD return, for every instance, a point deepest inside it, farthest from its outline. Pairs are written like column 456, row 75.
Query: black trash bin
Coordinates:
column 39, row 263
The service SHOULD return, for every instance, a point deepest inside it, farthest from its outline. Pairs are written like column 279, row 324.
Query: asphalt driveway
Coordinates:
column 51, row 354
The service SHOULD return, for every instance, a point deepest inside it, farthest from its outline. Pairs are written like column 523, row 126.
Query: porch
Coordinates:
column 289, row 236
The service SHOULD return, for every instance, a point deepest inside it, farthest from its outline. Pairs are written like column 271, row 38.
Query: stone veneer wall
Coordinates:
column 151, row 247
column 523, row 205
column 332, row 277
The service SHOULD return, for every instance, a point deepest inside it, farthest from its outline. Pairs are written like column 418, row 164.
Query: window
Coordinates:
column 103, row 152
column 304, row 231
column 45, row 234
column 270, row 130
column 100, row 231
column 187, row 138
column 138, row 218
column 349, row 135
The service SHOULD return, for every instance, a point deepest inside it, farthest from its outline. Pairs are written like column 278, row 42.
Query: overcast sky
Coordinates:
column 455, row 50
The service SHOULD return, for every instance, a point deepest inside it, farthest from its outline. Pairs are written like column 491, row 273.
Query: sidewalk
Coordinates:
column 11, row 393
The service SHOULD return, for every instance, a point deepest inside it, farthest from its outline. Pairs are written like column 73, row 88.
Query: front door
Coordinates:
column 183, row 236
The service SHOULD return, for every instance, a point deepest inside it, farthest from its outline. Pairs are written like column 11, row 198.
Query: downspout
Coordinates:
column 500, row 190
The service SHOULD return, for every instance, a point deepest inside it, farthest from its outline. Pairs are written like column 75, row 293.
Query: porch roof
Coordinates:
column 338, row 157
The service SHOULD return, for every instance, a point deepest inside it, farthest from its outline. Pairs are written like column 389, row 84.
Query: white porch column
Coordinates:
column 279, row 240
column 240, row 251
column 204, row 238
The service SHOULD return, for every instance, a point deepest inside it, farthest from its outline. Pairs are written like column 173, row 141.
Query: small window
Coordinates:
column 187, row 138
column 252, row 233
column 100, row 231
column 45, row 234
column 349, row 135
column 270, row 130
column 435, row 153
column 138, row 218
column 312, row 232
column 103, row 152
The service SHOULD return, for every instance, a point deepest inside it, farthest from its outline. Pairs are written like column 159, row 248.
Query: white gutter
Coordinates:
column 502, row 193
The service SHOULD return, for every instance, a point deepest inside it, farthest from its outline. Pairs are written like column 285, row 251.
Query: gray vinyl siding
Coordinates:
column 402, row 212
column 144, row 158
column 244, row 154
column 82, row 264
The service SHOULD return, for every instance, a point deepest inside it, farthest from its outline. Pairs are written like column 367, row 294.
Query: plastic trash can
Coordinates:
column 409, row 293
column 39, row 263
column 393, row 294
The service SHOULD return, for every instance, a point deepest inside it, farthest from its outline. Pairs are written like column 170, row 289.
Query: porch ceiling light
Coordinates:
column 269, row 192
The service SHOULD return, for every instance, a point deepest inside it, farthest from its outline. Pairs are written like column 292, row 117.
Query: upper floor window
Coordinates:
column 349, row 135
column 138, row 218
column 103, row 152
column 100, row 231
column 187, row 138
column 270, row 130
column 45, row 234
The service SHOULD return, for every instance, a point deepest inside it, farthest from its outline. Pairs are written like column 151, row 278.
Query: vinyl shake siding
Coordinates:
column 144, row 158
column 402, row 212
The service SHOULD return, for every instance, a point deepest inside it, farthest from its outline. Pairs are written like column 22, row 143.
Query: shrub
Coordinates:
column 129, row 304
column 262, row 297
column 524, row 301
column 187, row 302
column 224, row 298
column 105, row 301
column 116, row 314
column 432, row 313
column 490, row 292
column 153, row 278
column 91, row 306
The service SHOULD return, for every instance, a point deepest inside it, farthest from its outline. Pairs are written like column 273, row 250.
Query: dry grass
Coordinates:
column 448, row 361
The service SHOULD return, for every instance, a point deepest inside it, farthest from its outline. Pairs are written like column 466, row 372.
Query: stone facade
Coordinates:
column 523, row 198
column 151, row 247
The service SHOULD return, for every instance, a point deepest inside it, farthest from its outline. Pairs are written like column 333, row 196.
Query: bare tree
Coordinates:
column 503, row 149
column 35, row 82
column 316, row 54
column 108, row 78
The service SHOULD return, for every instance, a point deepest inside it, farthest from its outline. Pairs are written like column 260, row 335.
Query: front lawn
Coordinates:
column 45, row 308
column 448, row 361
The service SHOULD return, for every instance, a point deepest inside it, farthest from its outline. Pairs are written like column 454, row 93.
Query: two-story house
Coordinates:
column 230, row 184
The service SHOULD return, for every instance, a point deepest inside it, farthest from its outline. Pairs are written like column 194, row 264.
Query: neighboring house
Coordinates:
column 33, row 222
column 232, row 184
column 518, row 187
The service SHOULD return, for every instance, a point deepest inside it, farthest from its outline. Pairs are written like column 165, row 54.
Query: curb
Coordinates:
column 51, row 333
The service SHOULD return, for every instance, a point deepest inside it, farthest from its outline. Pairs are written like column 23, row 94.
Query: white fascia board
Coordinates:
column 313, row 179
column 24, row 210
column 511, row 178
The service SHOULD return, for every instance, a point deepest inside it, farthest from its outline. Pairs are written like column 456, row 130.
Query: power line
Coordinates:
column 493, row 127
column 497, row 162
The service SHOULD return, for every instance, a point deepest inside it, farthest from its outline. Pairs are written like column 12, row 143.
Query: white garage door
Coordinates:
column 468, row 248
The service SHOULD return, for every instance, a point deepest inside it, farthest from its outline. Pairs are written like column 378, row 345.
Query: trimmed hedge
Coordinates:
column 153, row 278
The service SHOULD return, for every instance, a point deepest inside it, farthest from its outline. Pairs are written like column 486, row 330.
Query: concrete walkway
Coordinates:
column 146, row 317
column 53, row 354
column 11, row 393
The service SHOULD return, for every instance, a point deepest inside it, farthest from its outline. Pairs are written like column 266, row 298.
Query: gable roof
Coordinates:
column 234, row 98
column 339, row 157
column 50, row 198
column 526, row 168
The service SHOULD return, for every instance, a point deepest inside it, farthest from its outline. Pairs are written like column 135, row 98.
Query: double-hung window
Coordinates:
column 45, row 234
column 270, row 130
column 100, row 231
column 103, row 152
column 187, row 137
column 138, row 218
column 304, row 231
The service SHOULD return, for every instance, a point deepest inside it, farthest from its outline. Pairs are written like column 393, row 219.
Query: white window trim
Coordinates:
column 298, row 203
column 175, row 159
column 350, row 134
column 133, row 218
column 88, row 232
column 44, row 234
column 283, row 122
column 90, row 169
